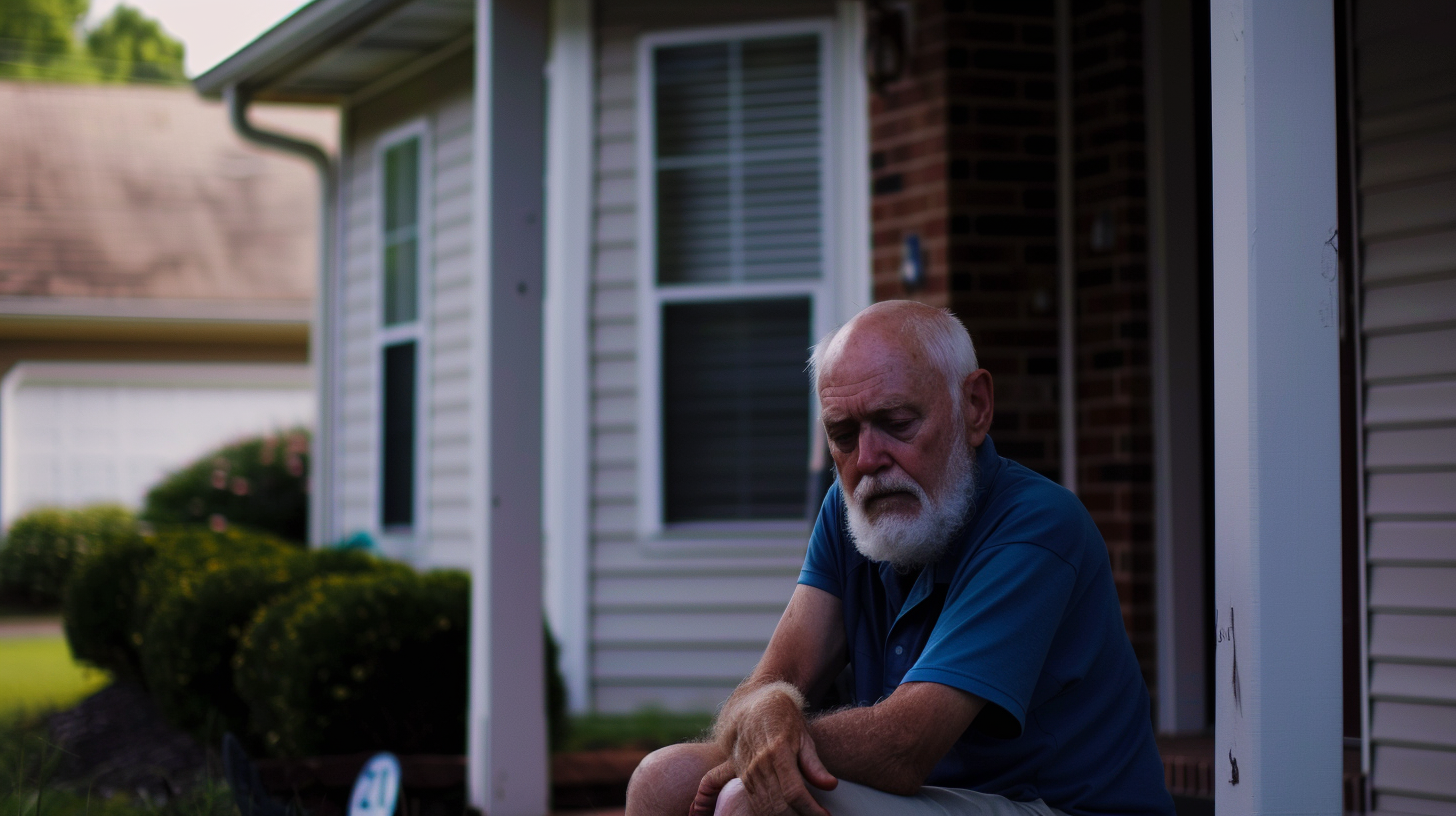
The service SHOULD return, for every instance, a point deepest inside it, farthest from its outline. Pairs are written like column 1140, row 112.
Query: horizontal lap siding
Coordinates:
column 448, row 480
column 445, row 506
column 672, row 626
column 1407, row 139
column 356, row 482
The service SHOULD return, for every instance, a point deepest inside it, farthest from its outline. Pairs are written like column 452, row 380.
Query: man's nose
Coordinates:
column 873, row 455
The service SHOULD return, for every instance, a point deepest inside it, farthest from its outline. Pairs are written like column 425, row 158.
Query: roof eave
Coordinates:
column 290, row 45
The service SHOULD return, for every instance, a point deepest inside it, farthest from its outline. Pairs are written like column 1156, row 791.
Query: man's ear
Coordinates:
column 978, row 405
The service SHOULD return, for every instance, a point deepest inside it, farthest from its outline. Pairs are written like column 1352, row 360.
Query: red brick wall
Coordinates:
column 963, row 154
column 909, row 164
column 1114, row 392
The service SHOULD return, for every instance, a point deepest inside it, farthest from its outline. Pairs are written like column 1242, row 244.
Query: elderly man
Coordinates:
column 972, row 599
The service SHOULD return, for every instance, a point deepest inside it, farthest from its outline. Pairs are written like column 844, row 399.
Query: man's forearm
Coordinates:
column 894, row 744
column 865, row 746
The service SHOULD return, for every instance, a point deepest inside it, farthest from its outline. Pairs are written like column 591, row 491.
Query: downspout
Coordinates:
column 1066, row 252
column 320, row 521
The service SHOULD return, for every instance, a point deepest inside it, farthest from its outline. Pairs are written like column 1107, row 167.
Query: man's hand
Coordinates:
column 773, row 755
column 761, row 729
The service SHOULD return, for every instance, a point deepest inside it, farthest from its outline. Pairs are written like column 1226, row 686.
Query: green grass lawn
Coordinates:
column 37, row 673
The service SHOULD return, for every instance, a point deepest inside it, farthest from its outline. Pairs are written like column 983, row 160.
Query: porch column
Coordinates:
column 507, row 744
column 1276, row 408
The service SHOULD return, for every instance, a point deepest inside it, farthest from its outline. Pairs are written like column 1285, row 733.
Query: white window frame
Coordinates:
column 652, row 296
column 404, row 542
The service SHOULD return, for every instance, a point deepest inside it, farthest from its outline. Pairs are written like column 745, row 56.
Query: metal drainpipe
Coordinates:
column 320, row 522
column 1066, row 251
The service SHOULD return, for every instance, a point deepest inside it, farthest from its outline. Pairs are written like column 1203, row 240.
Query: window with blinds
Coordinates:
column 400, row 331
column 738, row 150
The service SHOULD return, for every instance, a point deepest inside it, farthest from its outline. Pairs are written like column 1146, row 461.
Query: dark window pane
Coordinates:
column 694, row 225
column 692, row 101
column 735, row 405
column 397, row 468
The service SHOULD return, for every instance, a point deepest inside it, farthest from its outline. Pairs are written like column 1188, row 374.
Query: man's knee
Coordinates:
column 666, row 781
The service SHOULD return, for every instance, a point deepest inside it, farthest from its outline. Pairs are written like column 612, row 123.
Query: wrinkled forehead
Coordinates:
column 883, row 354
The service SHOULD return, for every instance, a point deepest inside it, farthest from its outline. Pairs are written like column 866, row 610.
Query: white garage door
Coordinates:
column 75, row 433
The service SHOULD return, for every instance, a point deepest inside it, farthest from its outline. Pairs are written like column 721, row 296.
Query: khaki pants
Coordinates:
column 850, row 799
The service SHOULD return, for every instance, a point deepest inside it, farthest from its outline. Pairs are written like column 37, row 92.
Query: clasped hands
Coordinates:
column 769, row 749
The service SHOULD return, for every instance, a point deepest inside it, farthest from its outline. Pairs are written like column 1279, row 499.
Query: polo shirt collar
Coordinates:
column 988, row 467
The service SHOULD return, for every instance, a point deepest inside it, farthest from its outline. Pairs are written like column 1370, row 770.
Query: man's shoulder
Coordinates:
column 1025, row 507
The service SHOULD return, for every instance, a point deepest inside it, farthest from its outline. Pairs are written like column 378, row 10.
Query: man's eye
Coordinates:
column 842, row 440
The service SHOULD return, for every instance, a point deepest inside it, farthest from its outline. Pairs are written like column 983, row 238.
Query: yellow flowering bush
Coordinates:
column 349, row 663
column 191, row 635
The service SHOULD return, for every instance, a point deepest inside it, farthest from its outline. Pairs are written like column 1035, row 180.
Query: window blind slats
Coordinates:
column 735, row 409
column 738, row 165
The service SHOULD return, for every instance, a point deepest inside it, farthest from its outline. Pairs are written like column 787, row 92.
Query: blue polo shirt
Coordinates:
column 1022, row 612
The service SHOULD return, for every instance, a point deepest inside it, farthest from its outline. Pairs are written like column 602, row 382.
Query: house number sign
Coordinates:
column 377, row 789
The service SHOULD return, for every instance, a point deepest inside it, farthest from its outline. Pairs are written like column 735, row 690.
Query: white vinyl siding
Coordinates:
column 443, row 517
column 674, row 623
column 1406, row 84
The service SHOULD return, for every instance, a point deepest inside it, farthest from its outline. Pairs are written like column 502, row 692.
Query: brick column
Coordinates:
column 1114, row 380
column 963, row 154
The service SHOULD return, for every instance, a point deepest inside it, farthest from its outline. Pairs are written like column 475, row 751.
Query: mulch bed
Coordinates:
column 116, row 741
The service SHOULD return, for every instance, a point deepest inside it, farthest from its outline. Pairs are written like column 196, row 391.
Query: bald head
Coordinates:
column 906, row 328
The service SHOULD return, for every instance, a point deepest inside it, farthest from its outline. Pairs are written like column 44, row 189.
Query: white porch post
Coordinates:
column 569, row 146
column 507, row 764
column 1276, row 408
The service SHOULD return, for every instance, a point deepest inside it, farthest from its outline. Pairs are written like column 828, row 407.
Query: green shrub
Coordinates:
column 360, row 662
column 647, row 729
column 258, row 483
column 99, row 603
column 113, row 591
column 191, row 635
column 557, row 724
column 43, row 547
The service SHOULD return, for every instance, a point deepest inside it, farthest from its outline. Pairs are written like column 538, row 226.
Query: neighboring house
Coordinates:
column 723, row 185
column 156, row 284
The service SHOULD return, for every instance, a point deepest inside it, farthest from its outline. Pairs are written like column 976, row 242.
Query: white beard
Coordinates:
column 912, row 541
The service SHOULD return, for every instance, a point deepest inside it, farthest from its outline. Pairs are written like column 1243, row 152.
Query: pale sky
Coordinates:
column 211, row 29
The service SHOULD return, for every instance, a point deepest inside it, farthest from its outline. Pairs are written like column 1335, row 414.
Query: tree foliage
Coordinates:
column 43, row 39
column 128, row 46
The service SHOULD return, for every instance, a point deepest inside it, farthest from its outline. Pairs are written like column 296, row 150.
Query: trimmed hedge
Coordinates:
column 258, row 483
column 100, row 603
column 191, row 635
column 308, row 652
column 44, row 546
column 113, row 591
column 359, row 663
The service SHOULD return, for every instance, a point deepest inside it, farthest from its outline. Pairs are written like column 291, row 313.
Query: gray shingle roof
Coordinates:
column 145, row 192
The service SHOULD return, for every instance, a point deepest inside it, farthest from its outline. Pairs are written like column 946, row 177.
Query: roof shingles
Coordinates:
column 143, row 192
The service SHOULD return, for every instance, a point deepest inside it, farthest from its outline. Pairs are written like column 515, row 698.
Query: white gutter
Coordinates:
column 300, row 37
column 320, row 521
column 1066, row 252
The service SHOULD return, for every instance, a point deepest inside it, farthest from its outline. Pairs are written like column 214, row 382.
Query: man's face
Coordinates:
column 888, row 414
